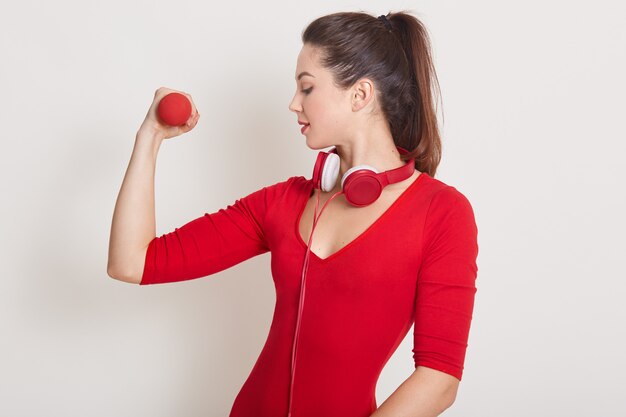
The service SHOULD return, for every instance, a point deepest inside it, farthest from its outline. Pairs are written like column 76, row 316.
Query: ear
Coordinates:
column 362, row 93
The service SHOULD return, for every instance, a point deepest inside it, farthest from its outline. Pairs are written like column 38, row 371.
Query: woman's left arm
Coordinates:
column 426, row 393
column 443, row 309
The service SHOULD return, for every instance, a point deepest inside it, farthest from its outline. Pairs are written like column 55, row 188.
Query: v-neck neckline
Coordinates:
column 361, row 236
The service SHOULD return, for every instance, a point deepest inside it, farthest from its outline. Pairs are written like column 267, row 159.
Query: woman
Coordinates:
column 381, row 261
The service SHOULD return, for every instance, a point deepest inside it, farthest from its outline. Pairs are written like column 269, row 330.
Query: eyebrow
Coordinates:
column 303, row 73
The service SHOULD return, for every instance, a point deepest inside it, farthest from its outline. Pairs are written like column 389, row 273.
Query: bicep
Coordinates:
column 208, row 244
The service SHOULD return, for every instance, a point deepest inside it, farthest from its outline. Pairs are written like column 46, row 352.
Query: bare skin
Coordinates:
column 133, row 225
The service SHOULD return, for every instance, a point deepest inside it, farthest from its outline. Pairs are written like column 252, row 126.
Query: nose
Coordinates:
column 294, row 106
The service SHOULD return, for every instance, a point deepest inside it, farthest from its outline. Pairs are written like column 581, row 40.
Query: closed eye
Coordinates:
column 308, row 90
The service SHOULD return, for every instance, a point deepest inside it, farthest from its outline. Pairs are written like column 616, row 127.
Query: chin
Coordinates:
column 318, row 145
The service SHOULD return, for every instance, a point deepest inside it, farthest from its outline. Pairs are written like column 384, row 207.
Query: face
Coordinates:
column 318, row 102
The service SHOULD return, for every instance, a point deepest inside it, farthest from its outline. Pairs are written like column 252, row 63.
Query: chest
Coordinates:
column 341, row 223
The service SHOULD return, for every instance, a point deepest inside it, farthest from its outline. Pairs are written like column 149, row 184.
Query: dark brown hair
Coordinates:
column 353, row 45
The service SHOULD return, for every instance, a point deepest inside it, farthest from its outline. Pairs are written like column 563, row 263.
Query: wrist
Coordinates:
column 148, row 139
column 147, row 132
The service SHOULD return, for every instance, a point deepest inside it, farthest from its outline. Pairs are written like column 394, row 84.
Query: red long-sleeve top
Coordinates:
column 416, row 264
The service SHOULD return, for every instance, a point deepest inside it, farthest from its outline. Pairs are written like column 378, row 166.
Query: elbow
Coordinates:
column 443, row 385
column 111, row 272
column 449, row 400
column 444, row 401
column 130, row 270
column 117, row 275
column 449, row 395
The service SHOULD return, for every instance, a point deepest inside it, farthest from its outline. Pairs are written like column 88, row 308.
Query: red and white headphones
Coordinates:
column 362, row 184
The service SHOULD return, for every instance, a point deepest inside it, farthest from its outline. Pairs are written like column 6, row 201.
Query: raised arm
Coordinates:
column 214, row 241
column 133, row 226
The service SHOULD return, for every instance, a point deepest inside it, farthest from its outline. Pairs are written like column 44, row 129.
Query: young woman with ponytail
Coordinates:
column 395, row 247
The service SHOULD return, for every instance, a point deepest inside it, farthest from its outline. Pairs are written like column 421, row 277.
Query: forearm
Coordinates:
column 426, row 393
column 133, row 225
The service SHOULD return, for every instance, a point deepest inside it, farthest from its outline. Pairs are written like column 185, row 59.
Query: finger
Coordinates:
column 194, row 109
column 193, row 119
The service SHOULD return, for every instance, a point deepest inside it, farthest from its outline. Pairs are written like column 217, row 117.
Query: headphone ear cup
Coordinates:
column 349, row 172
column 330, row 171
column 361, row 185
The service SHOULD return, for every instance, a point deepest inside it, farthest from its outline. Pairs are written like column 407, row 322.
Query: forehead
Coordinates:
column 307, row 62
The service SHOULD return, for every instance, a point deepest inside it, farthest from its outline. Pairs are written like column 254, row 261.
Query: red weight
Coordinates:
column 174, row 109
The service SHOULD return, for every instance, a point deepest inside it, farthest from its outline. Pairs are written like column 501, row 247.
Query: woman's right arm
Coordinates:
column 133, row 225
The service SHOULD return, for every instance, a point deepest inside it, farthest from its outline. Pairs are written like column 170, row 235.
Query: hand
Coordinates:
column 153, row 125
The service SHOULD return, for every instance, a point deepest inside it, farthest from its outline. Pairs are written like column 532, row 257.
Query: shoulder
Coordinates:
column 448, row 208
column 450, row 226
column 444, row 197
column 284, row 191
column 292, row 184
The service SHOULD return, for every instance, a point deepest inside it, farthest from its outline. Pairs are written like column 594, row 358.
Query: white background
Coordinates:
column 533, row 98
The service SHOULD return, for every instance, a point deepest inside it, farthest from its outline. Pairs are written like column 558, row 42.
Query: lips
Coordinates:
column 304, row 125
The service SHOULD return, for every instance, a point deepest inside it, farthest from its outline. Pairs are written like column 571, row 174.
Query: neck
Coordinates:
column 379, row 154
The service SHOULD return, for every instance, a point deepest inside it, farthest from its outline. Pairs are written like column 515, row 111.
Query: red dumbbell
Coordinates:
column 174, row 109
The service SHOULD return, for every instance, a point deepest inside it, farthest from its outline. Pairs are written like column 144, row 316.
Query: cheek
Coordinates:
column 321, row 109
column 335, row 115
column 325, row 112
